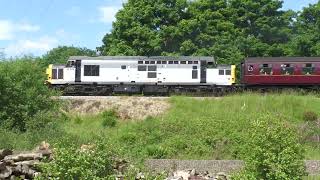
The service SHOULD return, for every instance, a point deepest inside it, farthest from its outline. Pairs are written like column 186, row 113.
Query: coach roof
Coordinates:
column 282, row 59
column 146, row 58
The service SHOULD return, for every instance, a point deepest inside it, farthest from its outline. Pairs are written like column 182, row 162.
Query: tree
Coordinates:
column 227, row 30
column 146, row 27
column 23, row 95
column 61, row 54
column 307, row 39
column 272, row 150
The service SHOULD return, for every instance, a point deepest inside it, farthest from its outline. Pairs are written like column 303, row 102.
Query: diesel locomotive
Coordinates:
column 107, row 75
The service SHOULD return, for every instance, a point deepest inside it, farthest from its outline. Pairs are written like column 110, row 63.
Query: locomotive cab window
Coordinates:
column 140, row 62
column 266, row 69
column 189, row 62
column 158, row 62
column 183, row 62
column 221, row 72
column 228, row 72
column 287, row 69
column 91, row 70
column 60, row 73
column 123, row 67
column 308, row 69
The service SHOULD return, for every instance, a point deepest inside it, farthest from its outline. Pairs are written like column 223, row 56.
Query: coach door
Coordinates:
column 78, row 71
column 203, row 72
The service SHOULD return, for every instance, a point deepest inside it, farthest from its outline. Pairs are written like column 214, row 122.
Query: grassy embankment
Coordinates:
column 191, row 129
column 198, row 129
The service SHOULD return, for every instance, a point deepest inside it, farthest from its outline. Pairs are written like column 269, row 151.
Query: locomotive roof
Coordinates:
column 282, row 59
column 145, row 58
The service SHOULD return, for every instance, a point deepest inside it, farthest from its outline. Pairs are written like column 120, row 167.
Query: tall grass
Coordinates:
column 211, row 128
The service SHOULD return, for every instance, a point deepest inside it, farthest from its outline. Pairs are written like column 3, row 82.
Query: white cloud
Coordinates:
column 37, row 46
column 107, row 13
column 5, row 30
column 9, row 28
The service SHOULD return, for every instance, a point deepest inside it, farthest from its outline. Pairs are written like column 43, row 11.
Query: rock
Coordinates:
column 2, row 166
column 140, row 175
column 43, row 146
column 193, row 172
column 195, row 178
column 183, row 174
column 221, row 176
column 174, row 178
column 4, row 153
column 28, row 163
column 5, row 173
column 24, row 157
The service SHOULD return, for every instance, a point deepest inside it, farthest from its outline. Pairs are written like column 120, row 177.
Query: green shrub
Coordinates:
column 78, row 120
column 310, row 116
column 23, row 95
column 271, row 150
column 156, row 151
column 92, row 162
column 109, row 118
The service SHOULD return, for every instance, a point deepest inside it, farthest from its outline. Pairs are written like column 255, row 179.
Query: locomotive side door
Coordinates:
column 203, row 72
column 78, row 71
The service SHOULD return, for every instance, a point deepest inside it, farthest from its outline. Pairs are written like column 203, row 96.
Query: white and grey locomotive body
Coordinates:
column 104, row 75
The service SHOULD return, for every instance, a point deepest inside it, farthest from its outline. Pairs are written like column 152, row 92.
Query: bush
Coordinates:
column 92, row 162
column 310, row 116
column 109, row 118
column 23, row 95
column 272, row 151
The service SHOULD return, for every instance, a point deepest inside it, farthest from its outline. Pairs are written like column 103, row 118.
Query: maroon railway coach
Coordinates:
column 286, row 71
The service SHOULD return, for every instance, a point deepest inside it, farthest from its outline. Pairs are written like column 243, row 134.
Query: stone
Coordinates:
column 4, row 153
column 5, row 173
column 193, row 172
column 183, row 174
column 28, row 163
column 24, row 157
column 140, row 175
column 174, row 178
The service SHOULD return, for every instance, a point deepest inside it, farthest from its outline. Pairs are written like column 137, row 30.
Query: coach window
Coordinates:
column 123, row 67
column 183, row 62
column 287, row 69
column 164, row 62
column 195, row 62
column 176, row 62
column 221, row 72
column 147, row 62
column 170, row 62
column 308, row 69
column 189, row 62
column 91, row 70
column 228, row 72
column 152, row 62
column 152, row 75
column 140, row 62
column 142, row 68
column 152, row 68
column 158, row 62
column 60, row 73
column 265, row 69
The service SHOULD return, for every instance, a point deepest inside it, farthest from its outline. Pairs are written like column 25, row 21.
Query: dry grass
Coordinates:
column 137, row 108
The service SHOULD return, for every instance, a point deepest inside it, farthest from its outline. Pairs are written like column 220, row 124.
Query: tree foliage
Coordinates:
column 60, row 55
column 23, row 96
column 229, row 30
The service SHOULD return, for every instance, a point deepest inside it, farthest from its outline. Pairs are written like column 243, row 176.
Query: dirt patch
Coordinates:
column 127, row 107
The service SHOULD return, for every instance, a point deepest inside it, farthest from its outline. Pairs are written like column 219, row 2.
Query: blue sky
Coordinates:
column 36, row 26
